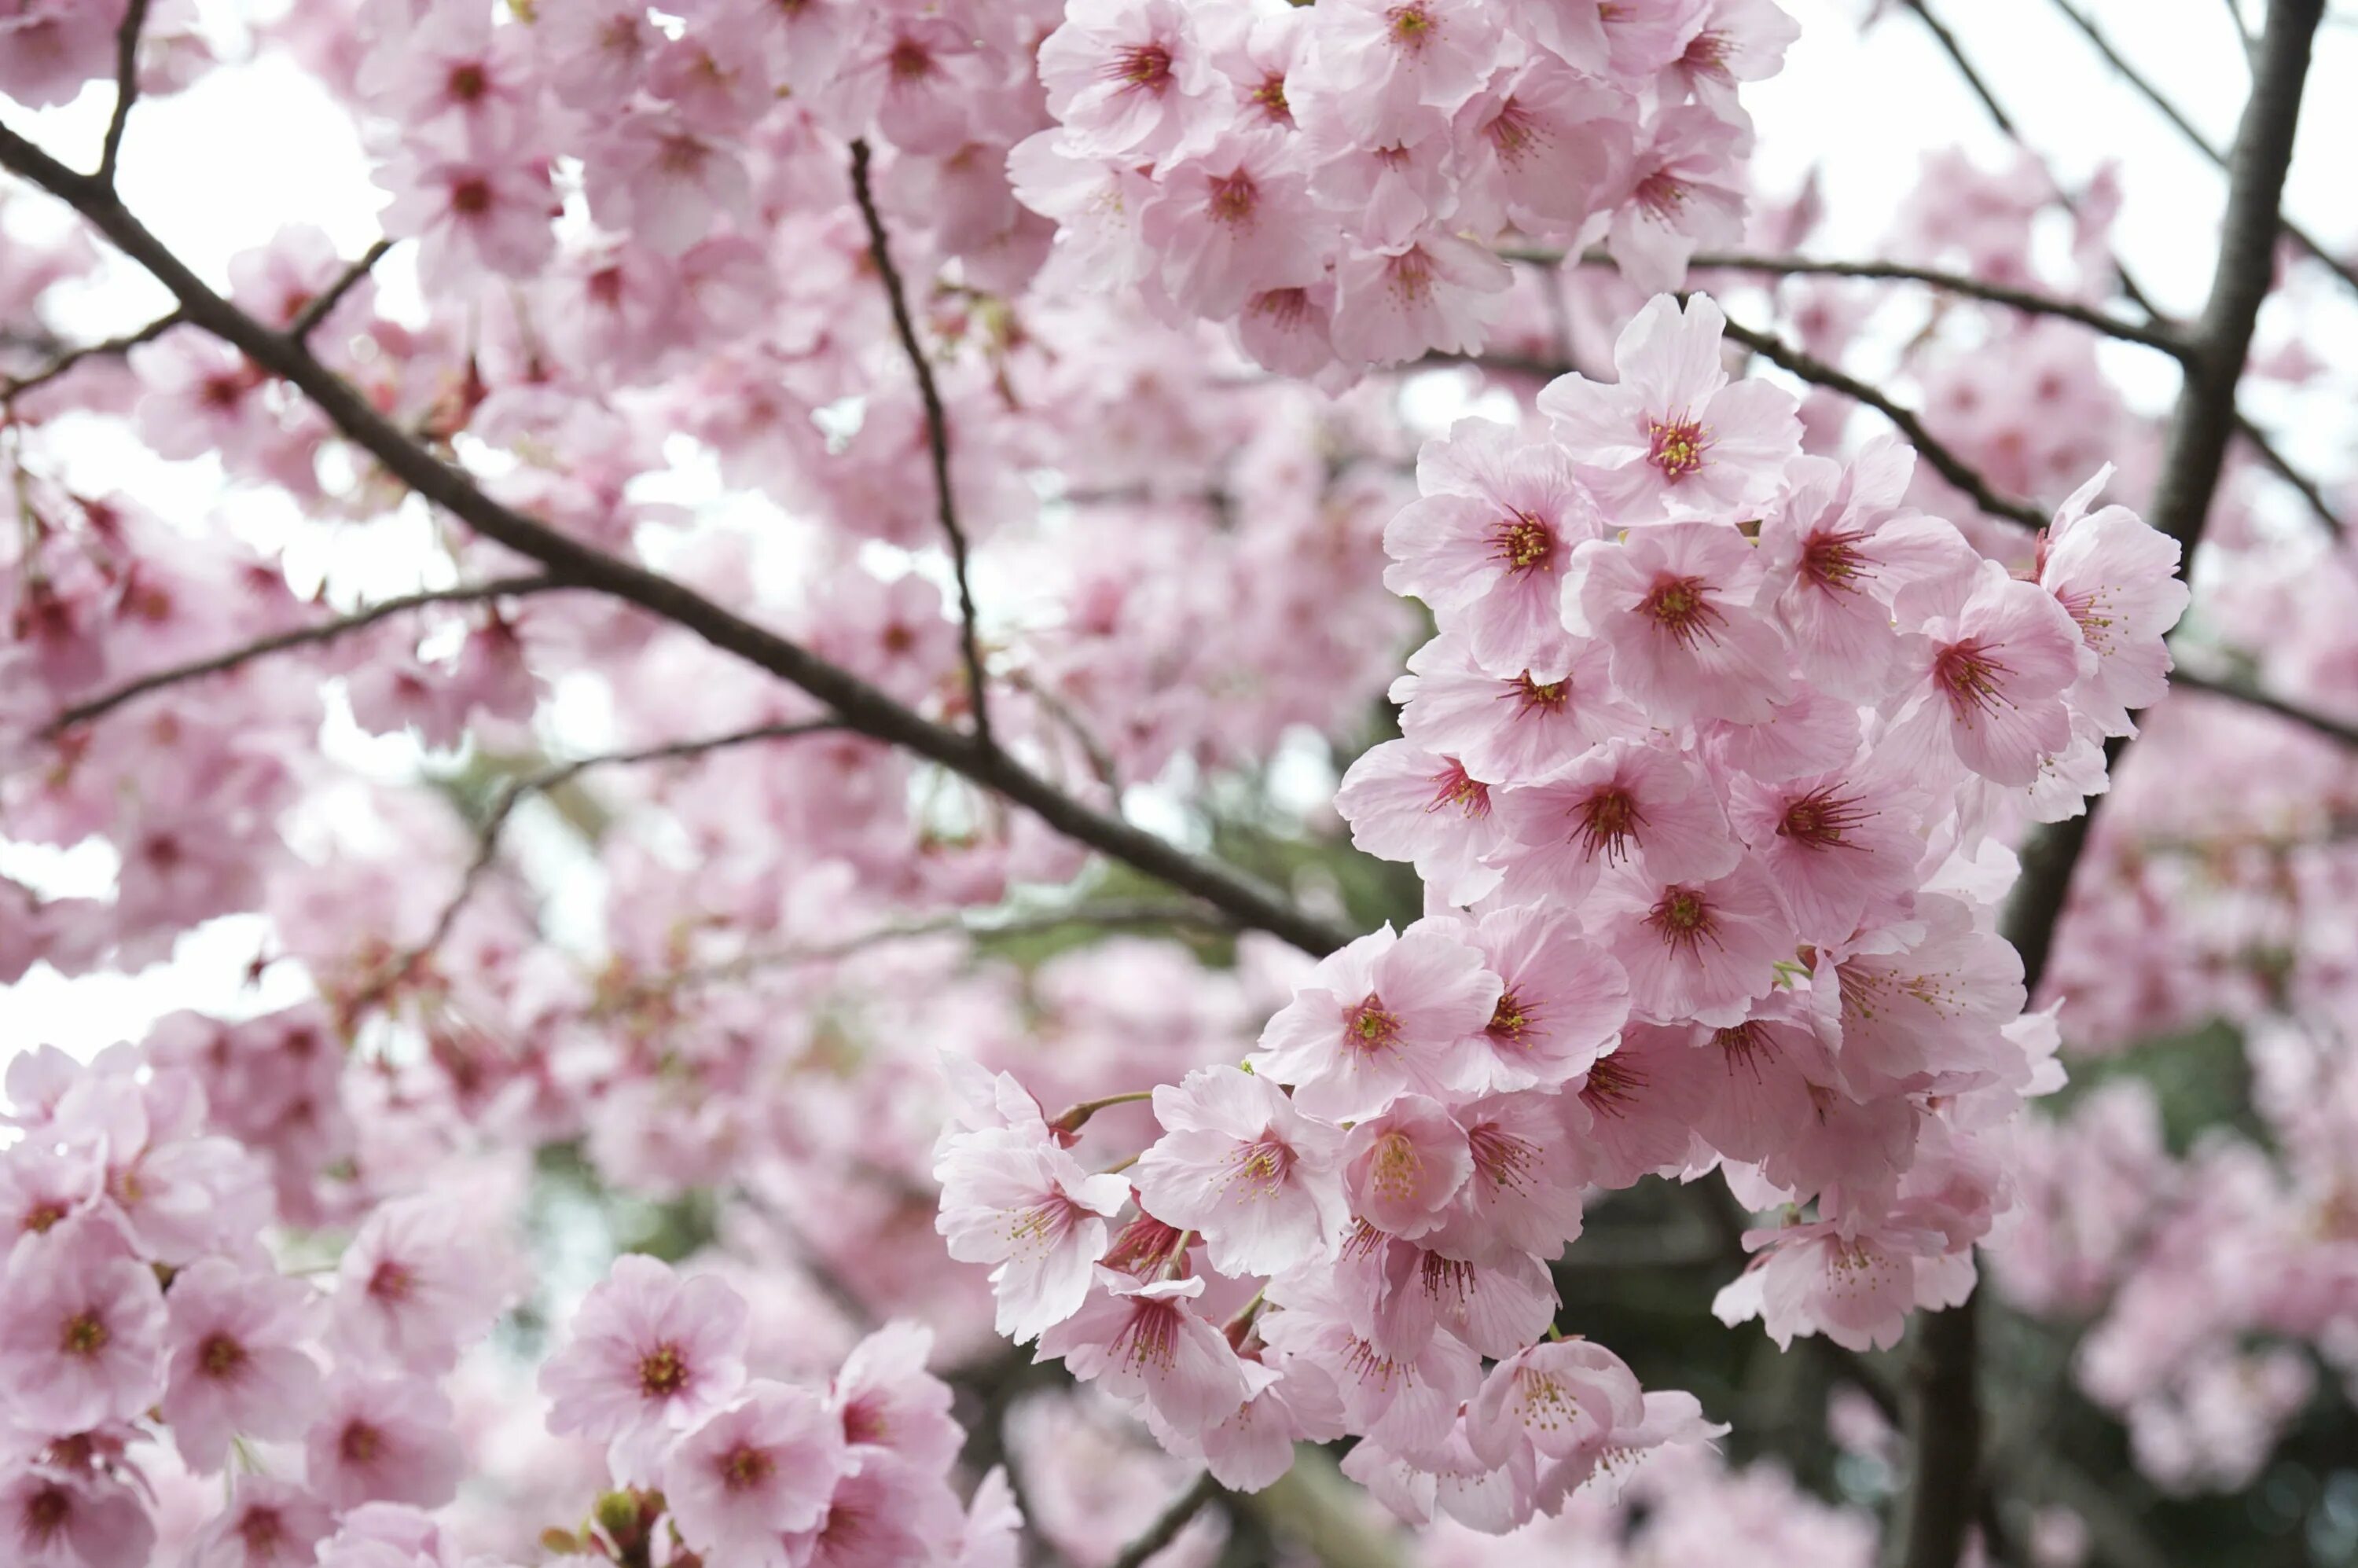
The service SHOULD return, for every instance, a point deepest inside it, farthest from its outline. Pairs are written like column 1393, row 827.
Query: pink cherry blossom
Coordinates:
column 1674, row 437
column 650, row 1355
column 1622, row 803
column 1525, row 725
column 1383, row 1017
column 1985, row 679
column 81, row 1330
column 382, row 1440
column 1403, row 1168
column 1673, row 604
column 1563, row 1006
column 1240, row 1166
column 1145, row 1342
column 1028, row 1207
column 237, row 1363
column 1408, row 805
column 752, row 1473
column 58, row 1519
column 2116, row 577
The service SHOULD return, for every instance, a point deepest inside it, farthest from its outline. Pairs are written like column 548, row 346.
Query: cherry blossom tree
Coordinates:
column 1093, row 782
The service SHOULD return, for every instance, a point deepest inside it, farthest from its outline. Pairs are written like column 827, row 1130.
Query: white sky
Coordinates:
column 220, row 169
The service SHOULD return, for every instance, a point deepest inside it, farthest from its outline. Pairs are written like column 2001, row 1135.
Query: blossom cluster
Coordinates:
column 1334, row 180
column 1703, row 775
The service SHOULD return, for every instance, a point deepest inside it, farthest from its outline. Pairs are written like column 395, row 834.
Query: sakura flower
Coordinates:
column 1290, row 331
column 1695, row 949
column 888, row 1511
column 651, row 1355
column 1919, row 1006
column 472, row 212
column 1292, row 1402
column 1985, row 679
column 416, row 1287
column 762, row 1468
column 268, row 1524
column 1522, row 726
column 81, row 1331
column 56, row 1517
column 1407, row 1401
column 1382, row 1017
column 236, row 1365
column 1403, row 1168
column 884, row 1397
column 1684, row 196
column 1379, row 60
column 383, row 1440
column 1835, row 845
column 1125, row 78
column 1759, row 1097
column 1240, row 1166
column 1028, row 1207
column 1433, row 293
column 1562, row 1400
column 1146, row 1343
column 1673, row 437
column 1673, row 604
column 1407, row 805
column 2117, row 579
column 1523, row 1195
column 1623, row 803
column 1635, row 1112
column 1488, row 543
column 662, row 182
column 595, row 52
column 1856, row 1289
column 1563, row 1006
column 1548, row 144
column 1233, row 221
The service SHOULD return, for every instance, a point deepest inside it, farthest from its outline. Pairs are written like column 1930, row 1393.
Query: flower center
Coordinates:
column 1677, row 605
column 1142, row 67
column 1399, row 1169
column 471, row 197
column 1972, row 678
column 360, row 1444
column 468, row 84
column 1269, row 98
column 1453, row 786
column 1234, row 197
column 1525, row 544
column 1661, row 195
column 1682, row 920
column 221, row 1355
column 1411, row 25
column 45, row 1513
column 1833, row 561
column 662, row 1371
column 1608, row 821
column 1676, row 446
column 1368, row 1026
column 1509, row 1018
column 85, row 1334
column 1820, row 817
column 1546, row 696
column 745, row 1467
column 909, row 59
column 1260, row 1168
column 391, row 1282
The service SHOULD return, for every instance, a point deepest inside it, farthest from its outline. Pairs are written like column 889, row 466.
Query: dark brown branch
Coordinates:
column 1168, row 1523
column 1950, row 467
column 2144, row 88
column 1950, row 47
column 307, row 320
column 126, row 87
column 938, row 431
column 299, row 637
column 2332, row 728
column 2152, row 335
column 2199, row 429
column 860, row 706
column 73, row 357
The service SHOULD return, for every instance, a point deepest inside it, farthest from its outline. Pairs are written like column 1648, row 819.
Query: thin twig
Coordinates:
column 512, row 794
column 126, row 87
column 299, row 637
column 2144, row 88
column 2153, row 335
column 860, row 706
column 1949, row 46
column 73, row 357
column 938, row 431
column 1950, row 467
column 1168, row 1523
column 2310, row 492
column 308, row 318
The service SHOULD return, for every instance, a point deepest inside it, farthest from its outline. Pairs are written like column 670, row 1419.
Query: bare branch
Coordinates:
column 860, row 706
column 1949, row 46
column 126, row 87
column 309, row 320
column 2144, row 88
column 2310, row 492
column 300, row 637
column 65, row 362
column 1168, row 1523
column 1950, row 467
column 2332, row 728
column 937, row 430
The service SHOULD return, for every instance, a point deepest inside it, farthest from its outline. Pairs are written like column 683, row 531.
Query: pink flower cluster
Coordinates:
column 1703, row 775
column 1332, row 180
column 139, row 1307
column 762, row 1473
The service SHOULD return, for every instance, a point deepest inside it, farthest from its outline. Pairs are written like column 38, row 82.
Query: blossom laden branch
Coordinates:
column 938, row 432
column 860, row 706
column 299, row 637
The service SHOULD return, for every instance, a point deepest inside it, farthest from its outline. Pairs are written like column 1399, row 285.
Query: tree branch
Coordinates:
column 2144, row 88
column 858, row 705
column 126, row 87
column 10, row 390
column 937, row 430
column 300, row 637
column 1168, row 1523
column 1949, row 46
column 2245, row 692
column 307, row 320
column 1950, row 467
column 2199, row 429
